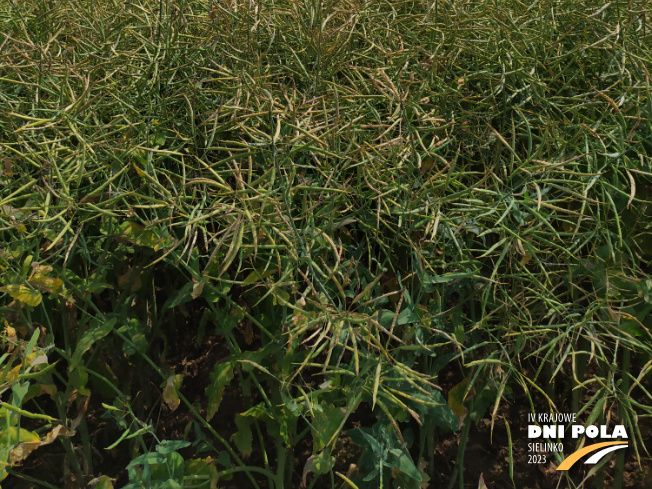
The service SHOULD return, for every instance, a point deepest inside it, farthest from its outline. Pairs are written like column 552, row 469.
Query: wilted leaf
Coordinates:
column 171, row 391
column 481, row 484
column 425, row 478
column 40, row 279
column 198, row 287
column 104, row 482
column 8, row 167
column 21, row 451
column 43, row 358
column 456, row 400
column 131, row 280
column 248, row 333
column 319, row 464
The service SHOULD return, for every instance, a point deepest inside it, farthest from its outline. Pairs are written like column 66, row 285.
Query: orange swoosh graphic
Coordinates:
column 569, row 461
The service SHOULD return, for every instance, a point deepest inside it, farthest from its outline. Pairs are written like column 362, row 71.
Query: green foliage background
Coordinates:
column 355, row 196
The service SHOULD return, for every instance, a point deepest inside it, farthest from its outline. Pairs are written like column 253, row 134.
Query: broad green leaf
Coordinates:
column 159, row 138
column 243, row 437
column 90, row 337
column 179, row 296
column 325, row 423
column 224, row 459
column 430, row 405
column 96, row 283
column 169, row 446
column 260, row 412
column 481, row 402
column 18, row 390
column 32, row 341
column 283, row 424
column 220, row 377
column 365, row 438
column 149, row 458
column 135, row 331
column 403, row 463
column 78, row 378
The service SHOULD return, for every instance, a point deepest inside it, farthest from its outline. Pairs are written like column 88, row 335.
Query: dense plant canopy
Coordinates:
column 369, row 224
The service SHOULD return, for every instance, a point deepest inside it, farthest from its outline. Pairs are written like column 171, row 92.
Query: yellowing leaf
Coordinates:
column 140, row 172
column 24, row 294
column 171, row 391
column 10, row 337
column 205, row 467
column 248, row 333
column 150, row 238
column 11, row 376
column 456, row 400
column 318, row 463
column 21, row 451
column 15, row 435
column 103, row 482
column 256, row 276
column 39, row 279
column 131, row 280
column 299, row 319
